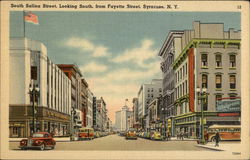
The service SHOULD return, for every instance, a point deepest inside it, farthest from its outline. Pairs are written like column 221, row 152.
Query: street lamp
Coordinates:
column 34, row 92
column 202, row 95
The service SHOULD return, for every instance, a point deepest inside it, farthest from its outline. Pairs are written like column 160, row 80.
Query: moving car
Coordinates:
column 131, row 134
column 39, row 140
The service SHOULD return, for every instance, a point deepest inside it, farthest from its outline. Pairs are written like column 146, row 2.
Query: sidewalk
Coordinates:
column 57, row 139
column 233, row 147
column 184, row 139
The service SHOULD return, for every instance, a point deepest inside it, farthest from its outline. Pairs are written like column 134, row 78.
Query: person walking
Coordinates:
column 182, row 135
column 217, row 138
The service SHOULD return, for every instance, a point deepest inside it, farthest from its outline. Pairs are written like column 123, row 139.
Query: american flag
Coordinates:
column 31, row 18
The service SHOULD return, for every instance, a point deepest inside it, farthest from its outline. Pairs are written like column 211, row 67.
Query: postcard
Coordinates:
column 124, row 80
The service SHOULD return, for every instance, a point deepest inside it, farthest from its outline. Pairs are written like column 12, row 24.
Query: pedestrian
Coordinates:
column 182, row 135
column 169, row 136
column 217, row 138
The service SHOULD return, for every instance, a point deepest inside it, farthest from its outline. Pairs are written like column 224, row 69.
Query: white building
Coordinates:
column 146, row 94
column 29, row 63
column 122, row 119
column 90, row 108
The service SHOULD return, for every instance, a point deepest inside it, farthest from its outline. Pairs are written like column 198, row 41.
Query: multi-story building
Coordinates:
column 90, row 109
column 167, row 53
column 205, row 57
column 135, row 113
column 75, row 75
column 122, row 119
column 84, row 101
column 95, row 114
column 154, row 115
column 101, row 114
column 146, row 94
column 118, row 120
column 30, row 65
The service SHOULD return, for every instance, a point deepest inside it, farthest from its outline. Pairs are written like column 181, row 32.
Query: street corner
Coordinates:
column 211, row 147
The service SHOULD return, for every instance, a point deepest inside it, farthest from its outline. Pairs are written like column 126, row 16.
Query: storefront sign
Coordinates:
column 228, row 105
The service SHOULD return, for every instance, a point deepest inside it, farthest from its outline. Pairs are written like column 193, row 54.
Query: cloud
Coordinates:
column 87, row 46
column 138, row 55
column 93, row 67
column 80, row 43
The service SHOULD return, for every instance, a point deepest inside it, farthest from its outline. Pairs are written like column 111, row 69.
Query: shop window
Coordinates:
column 204, row 60
column 218, row 60
column 232, row 59
column 218, row 81
column 15, row 130
column 204, row 81
column 232, row 82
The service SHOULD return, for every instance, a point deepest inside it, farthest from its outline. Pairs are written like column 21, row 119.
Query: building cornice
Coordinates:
column 194, row 42
column 169, row 38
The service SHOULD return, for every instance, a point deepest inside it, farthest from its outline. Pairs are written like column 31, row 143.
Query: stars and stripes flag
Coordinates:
column 31, row 18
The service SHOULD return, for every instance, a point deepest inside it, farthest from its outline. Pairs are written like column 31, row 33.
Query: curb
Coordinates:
column 208, row 147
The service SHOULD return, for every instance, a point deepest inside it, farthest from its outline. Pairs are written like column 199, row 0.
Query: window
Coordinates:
column 186, row 68
column 232, row 82
column 148, row 95
column 160, row 90
column 232, row 59
column 218, row 60
column 218, row 81
column 15, row 131
column 204, row 60
column 181, row 73
column 204, row 81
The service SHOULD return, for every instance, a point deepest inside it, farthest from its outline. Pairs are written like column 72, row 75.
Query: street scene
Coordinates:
column 126, row 81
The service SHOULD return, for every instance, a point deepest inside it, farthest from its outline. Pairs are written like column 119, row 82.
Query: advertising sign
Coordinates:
column 228, row 105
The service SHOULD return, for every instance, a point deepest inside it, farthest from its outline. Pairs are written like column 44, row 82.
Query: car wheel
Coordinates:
column 42, row 147
column 53, row 147
column 213, row 139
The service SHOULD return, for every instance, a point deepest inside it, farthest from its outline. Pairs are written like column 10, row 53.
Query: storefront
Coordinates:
column 48, row 120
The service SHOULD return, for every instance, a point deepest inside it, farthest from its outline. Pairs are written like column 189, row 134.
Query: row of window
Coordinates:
column 181, row 73
column 218, row 81
column 218, row 60
column 152, row 90
column 181, row 90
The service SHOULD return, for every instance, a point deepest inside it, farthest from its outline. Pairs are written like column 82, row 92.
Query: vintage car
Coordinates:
column 156, row 135
column 39, row 140
column 131, row 134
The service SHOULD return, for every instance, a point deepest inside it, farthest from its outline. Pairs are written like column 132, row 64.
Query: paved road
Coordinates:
column 115, row 142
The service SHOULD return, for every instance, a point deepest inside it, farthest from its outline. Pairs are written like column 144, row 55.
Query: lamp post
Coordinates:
column 202, row 95
column 34, row 92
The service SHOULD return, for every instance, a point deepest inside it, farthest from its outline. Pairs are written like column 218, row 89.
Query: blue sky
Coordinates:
column 116, row 51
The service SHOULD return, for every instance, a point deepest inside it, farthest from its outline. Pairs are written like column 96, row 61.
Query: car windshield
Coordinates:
column 37, row 135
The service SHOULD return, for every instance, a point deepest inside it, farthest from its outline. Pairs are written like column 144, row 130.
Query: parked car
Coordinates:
column 156, row 135
column 96, row 134
column 146, row 135
column 39, row 140
column 122, row 133
column 131, row 134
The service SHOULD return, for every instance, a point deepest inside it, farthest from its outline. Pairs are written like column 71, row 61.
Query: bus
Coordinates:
column 227, row 132
column 86, row 133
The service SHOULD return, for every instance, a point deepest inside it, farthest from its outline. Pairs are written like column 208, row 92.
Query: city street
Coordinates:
column 115, row 142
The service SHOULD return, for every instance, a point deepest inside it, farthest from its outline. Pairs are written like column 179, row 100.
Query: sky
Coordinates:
column 115, row 51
